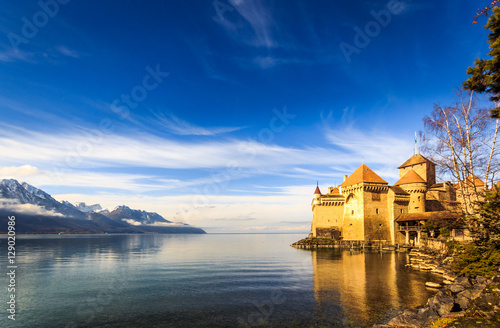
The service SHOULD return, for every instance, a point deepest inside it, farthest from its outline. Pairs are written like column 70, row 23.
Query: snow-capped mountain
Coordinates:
column 25, row 193
column 84, row 207
column 37, row 211
column 136, row 217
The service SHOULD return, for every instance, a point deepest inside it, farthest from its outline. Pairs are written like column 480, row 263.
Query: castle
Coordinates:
column 365, row 208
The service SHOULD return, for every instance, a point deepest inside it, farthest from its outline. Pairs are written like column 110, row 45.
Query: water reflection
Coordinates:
column 204, row 281
column 363, row 288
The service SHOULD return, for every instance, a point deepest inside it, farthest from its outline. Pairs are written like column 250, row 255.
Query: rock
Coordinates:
column 442, row 303
column 448, row 282
column 409, row 320
column 457, row 288
column 481, row 280
column 449, row 277
column 433, row 284
column 382, row 326
column 486, row 305
column 463, row 299
column 464, row 281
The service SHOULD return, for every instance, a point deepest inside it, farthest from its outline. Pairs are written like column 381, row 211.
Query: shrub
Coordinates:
column 477, row 261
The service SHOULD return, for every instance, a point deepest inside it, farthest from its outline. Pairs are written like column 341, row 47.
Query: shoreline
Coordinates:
column 457, row 302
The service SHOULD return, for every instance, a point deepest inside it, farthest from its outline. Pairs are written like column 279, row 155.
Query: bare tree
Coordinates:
column 485, row 10
column 462, row 140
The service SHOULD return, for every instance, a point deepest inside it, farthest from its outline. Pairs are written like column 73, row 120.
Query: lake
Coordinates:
column 213, row 280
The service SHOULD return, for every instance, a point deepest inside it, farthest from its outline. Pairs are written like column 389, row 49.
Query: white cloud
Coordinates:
column 177, row 126
column 94, row 150
column 29, row 209
column 67, row 52
column 14, row 172
column 132, row 222
column 11, row 55
column 255, row 28
column 377, row 147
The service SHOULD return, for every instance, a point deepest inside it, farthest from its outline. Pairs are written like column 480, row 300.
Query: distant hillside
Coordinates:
column 38, row 212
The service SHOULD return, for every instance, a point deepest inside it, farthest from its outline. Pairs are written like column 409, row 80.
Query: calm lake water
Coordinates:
column 214, row 280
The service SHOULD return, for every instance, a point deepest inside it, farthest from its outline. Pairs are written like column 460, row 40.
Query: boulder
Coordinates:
column 463, row 299
column 481, row 280
column 409, row 320
column 464, row 281
column 442, row 303
column 456, row 288
column 486, row 305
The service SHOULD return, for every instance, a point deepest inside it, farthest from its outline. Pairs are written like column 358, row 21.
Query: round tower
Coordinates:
column 317, row 196
column 413, row 184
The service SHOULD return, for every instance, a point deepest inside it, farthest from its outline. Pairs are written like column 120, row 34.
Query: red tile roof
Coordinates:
column 335, row 191
column 415, row 159
column 317, row 191
column 427, row 216
column 398, row 190
column 477, row 182
column 410, row 177
column 362, row 174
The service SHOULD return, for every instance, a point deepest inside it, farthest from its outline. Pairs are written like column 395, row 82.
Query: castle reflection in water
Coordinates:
column 369, row 287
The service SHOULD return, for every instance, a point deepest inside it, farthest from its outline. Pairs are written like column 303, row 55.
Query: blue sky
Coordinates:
column 222, row 114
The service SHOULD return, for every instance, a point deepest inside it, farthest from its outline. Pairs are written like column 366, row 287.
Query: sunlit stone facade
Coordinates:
column 365, row 208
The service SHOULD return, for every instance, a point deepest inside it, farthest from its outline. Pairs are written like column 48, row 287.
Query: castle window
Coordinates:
column 380, row 225
column 352, row 212
column 376, row 210
column 375, row 196
column 401, row 210
column 418, row 198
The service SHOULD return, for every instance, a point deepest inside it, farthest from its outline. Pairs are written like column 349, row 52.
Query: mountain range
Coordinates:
column 38, row 212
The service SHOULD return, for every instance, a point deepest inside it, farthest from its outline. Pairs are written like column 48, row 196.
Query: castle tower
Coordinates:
column 416, row 186
column 365, row 210
column 317, row 197
column 422, row 166
column 327, row 211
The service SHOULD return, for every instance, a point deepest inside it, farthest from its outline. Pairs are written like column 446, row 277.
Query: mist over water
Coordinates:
column 214, row 280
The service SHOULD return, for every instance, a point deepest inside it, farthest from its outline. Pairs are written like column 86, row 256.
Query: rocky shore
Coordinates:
column 458, row 302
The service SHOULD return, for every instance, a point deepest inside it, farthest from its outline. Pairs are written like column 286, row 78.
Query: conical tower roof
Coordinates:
column 414, row 160
column 317, row 191
column 363, row 174
column 410, row 177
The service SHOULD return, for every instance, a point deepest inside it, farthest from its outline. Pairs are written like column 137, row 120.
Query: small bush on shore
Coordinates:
column 477, row 261
column 443, row 322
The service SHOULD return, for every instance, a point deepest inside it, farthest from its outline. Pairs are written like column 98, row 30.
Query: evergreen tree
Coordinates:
column 485, row 74
column 486, row 230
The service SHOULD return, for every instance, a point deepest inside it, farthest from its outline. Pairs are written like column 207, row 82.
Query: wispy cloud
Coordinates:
column 177, row 126
column 63, row 50
column 9, row 55
column 254, row 25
